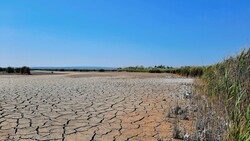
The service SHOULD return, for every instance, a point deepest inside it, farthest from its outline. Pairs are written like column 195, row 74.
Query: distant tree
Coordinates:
column 101, row 70
column 168, row 67
column 10, row 70
column 17, row 70
column 160, row 67
column 25, row 70
column 1, row 69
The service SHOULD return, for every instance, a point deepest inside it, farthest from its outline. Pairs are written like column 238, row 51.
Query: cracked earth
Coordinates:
column 87, row 108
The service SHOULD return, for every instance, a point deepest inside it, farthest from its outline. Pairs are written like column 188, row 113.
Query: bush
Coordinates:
column 196, row 71
column 101, row 70
column 185, row 71
column 25, row 70
column 10, row 70
column 18, row 70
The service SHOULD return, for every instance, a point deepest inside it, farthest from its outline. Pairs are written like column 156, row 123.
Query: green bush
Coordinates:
column 185, row 71
column 196, row 71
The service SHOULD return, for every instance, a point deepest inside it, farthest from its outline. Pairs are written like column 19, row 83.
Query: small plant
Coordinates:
column 159, row 139
column 178, row 113
column 177, row 134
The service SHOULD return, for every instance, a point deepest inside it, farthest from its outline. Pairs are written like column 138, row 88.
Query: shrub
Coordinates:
column 101, row 70
column 10, row 70
column 18, row 70
column 25, row 70
column 196, row 71
column 185, row 71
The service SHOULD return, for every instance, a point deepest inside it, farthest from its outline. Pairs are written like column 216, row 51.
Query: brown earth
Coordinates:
column 89, row 106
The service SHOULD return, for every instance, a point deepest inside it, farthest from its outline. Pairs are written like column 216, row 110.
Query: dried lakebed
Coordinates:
column 60, row 107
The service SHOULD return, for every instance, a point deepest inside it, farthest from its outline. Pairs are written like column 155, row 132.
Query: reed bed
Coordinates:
column 223, row 97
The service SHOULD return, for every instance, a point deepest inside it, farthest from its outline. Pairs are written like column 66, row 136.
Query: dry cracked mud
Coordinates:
column 65, row 108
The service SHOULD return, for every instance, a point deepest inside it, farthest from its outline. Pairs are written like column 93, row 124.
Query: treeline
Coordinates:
column 17, row 70
column 155, row 69
column 80, row 70
column 192, row 71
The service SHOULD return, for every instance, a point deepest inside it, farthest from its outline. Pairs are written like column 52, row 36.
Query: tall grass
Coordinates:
column 227, row 86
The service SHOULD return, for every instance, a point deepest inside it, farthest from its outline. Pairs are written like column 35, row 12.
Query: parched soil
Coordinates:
column 88, row 106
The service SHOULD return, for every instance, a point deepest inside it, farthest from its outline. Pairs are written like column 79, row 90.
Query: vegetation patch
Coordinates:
column 223, row 95
column 12, row 70
column 192, row 71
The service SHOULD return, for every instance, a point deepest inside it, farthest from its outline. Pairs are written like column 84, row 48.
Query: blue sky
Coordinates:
column 121, row 32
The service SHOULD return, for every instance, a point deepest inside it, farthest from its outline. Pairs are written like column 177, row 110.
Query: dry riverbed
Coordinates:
column 89, row 106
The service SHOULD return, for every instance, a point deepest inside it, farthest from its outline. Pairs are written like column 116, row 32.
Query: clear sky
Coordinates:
column 121, row 32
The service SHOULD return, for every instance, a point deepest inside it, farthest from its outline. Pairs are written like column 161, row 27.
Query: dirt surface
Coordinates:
column 88, row 106
column 104, row 74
